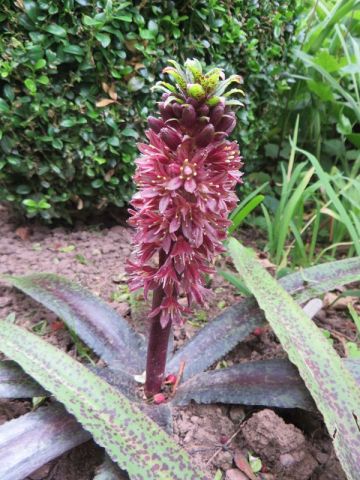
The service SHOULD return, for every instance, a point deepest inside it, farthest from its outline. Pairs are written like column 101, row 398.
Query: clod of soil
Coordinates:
column 282, row 446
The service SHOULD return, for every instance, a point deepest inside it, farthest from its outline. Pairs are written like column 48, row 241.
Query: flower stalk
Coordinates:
column 186, row 176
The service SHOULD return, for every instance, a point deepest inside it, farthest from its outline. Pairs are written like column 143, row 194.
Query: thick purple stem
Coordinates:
column 158, row 345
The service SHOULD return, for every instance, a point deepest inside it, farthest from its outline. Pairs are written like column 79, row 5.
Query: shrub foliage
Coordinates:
column 75, row 80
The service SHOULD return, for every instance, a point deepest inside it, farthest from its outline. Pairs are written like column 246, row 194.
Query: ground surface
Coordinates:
column 292, row 444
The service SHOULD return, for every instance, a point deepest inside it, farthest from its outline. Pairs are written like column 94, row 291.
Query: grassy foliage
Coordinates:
column 326, row 84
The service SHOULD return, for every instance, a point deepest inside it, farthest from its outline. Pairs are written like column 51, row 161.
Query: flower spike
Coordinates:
column 186, row 176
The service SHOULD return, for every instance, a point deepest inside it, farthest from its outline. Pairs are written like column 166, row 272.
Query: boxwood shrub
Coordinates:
column 74, row 87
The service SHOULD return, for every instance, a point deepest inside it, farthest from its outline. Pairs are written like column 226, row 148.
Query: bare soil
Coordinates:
column 291, row 444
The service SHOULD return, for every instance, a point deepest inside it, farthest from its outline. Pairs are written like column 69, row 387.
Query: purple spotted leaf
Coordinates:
column 15, row 383
column 274, row 383
column 235, row 323
column 32, row 440
column 95, row 322
column 332, row 386
column 130, row 438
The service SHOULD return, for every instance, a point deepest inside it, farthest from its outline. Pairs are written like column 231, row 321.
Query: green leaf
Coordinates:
column 73, row 50
column 131, row 439
column 135, row 84
column 43, row 79
column 9, row 92
column 4, row 107
column 322, row 90
column 30, row 85
column 103, row 38
column 240, row 215
column 40, row 64
column 56, row 30
column 114, row 141
column 68, row 123
column 333, row 196
column 331, row 385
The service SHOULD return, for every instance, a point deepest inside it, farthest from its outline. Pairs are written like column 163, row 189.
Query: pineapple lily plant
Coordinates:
column 186, row 176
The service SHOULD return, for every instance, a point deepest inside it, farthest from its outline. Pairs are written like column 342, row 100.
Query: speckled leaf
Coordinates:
column 235, row 323
column 274, row 383
column 15, row 383
column 34, row 439
column 96, row 323
column 331, row 385
column 130, row 438
column 217, row 338
column 313, row 281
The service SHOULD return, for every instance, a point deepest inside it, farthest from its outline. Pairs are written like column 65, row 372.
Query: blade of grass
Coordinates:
column 289, row 212
column 244, row 212
column 333, row 388
column 247, row 199
column 324, row 177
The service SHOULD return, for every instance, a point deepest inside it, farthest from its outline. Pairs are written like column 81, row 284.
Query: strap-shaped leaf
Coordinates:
column 333, row 388
column 235, row 323
column 313, row 281
column 34, row 439
column 15, row 383
column 131, row 439
column 274, row 383
column 95, row 322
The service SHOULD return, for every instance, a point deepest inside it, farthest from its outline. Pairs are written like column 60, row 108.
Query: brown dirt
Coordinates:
column 292, row 445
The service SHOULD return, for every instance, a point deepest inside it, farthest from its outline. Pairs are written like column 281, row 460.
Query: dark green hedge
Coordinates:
column 60, row 149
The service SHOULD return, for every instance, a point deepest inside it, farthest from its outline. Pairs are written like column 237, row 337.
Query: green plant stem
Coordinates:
column 158, row 345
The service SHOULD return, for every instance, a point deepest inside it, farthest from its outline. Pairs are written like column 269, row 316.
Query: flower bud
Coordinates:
column 217, row 113
column 166, row 112
column 156, row 124
column 188, row 115
column 170, row 137
column 195, row 90
column 225, row 122
column 177, row 109
column 203, row 110
column 205, row 136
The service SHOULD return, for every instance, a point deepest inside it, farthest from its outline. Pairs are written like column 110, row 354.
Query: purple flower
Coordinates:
column 186, row 175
